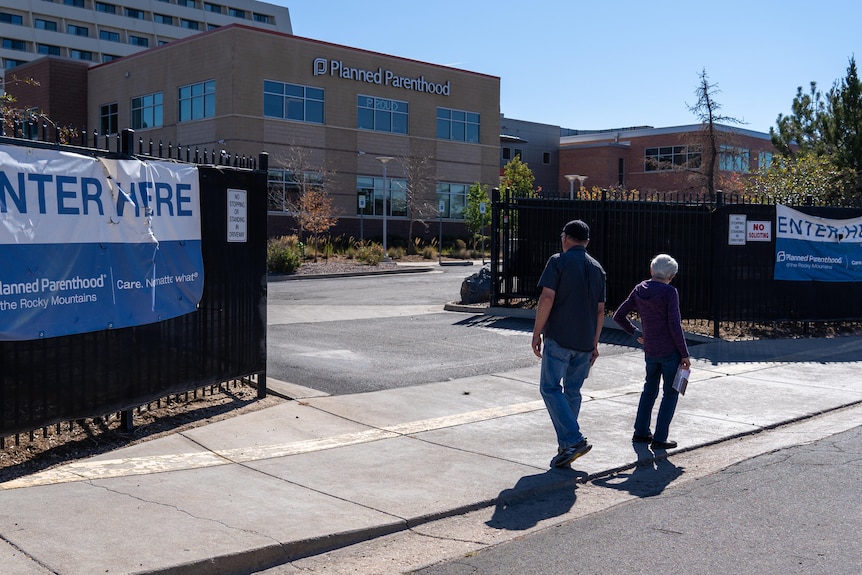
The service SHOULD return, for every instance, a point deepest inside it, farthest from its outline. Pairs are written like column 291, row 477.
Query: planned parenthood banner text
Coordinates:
column 809, row 248
column 88, row 244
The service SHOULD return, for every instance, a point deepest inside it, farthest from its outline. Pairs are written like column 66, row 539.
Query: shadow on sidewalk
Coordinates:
column 652, row 473
column 535, row 498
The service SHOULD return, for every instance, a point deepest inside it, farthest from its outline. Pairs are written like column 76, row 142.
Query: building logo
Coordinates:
column 380, row 77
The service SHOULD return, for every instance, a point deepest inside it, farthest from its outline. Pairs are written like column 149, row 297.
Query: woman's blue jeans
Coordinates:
column 658, row 369
column 563, row 373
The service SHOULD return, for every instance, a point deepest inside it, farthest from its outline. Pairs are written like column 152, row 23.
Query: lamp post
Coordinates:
column 581, row 183
column 385, row 160
column 572, row 178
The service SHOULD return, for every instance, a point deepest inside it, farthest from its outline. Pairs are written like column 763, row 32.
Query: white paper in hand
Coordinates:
column 680, row 381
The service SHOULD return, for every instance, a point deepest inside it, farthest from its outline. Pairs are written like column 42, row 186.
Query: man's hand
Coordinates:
column 594, row 356
column 537, row 344
column 686, row 363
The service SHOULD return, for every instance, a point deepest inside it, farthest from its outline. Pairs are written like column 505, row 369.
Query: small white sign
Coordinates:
column 481, row 207
column 442, row 207
column 237, row 215
column 759, row 232
column 362, row 202
column 736, row 230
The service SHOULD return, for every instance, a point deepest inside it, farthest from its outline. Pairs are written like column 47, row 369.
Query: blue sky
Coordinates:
column 610, row 64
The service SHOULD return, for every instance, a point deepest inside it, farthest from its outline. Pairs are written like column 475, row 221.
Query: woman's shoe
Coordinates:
column 663, row 444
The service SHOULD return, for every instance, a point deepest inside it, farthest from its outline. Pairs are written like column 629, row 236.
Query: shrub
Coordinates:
column 283, row 254
column 371, row 254
column 429, row 253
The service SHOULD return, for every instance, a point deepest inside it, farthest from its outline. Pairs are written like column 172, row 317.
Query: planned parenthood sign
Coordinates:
column 808, row 248
column 88, row 244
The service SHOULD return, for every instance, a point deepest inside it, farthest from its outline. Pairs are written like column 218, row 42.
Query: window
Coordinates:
column 189, row 3
column 284, row 187
column 546, row 158
column 48, row 50
column 189, row 24
column 81, row 54
column 147, row 111
column 45, row 25
column 108, row 35
column 108, row 57
column 77, row 30
column 621, row 172
column 292, row 102
column 138, row 41
column 134, row 13
column 163, row 19
column 75, row 3
column 733, row 159
column 519, row 153
column 210, row 7
column 9, row 63
column 671, row 158
column 457, row 125
column 381, row 115
column 106, row 8
column 454, row 199
column 507, row 154
column 108, row 119
column 372, row 189
column 197, row 101
column 236, row 13
column 10, row 44
column 764, row 160
column 261, row 18
column 7, row 18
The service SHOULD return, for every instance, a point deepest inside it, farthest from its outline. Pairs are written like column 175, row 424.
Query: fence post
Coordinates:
column 495, row 245
column 718, row 253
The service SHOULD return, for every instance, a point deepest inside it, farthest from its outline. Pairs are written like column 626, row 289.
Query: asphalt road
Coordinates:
column 791, row 511
column 358, row 334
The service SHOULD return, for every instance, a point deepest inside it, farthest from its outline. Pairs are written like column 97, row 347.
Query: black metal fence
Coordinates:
column 48, row 381
column 717, row 282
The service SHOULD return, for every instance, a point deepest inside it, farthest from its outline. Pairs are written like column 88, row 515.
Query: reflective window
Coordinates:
column 671, row 158
column 457, row 125
column 454, row 199
column 196, row 101
column 293, row 102
column 381, row 114
column 108, row 119
column 147, row 111
column 372, row 188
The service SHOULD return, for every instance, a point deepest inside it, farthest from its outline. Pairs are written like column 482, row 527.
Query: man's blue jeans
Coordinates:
column 563, row 373
column 658, row 369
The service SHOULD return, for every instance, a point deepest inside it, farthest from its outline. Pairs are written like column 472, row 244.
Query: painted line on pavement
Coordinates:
column 130, row 466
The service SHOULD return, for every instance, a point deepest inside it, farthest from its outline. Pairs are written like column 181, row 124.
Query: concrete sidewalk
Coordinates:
column 321, row 472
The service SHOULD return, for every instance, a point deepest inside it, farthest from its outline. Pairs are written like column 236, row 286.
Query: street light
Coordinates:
column 385, row 160
column 581, row 182
column 572, row 178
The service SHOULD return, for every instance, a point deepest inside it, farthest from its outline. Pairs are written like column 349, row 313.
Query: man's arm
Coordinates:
column 546, row 302
column 600, row 323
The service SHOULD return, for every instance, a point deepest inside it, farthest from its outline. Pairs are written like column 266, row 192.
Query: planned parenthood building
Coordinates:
column 326, row 113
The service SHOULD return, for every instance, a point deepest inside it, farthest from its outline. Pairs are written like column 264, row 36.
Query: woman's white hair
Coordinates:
column 663, row 267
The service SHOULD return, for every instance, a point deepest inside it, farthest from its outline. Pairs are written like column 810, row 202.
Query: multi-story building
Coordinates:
column 538, row 146
column 322, row 112
column 658, row 159
column 96, row 31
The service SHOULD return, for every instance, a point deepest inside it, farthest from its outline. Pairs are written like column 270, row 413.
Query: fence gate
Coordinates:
column 49, row 380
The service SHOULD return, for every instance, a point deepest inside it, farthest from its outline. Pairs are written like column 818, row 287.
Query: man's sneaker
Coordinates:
column 663, row 444
column 641, row 438
column 569, row 454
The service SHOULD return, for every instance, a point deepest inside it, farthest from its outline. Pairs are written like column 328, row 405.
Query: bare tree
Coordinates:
column 303, row 193
column 419, row 176
column 711, row 137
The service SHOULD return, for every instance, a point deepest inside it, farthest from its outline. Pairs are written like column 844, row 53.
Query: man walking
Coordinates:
column 569, row 318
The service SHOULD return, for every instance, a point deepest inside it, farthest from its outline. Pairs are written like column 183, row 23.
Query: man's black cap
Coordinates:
column 578, row 230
